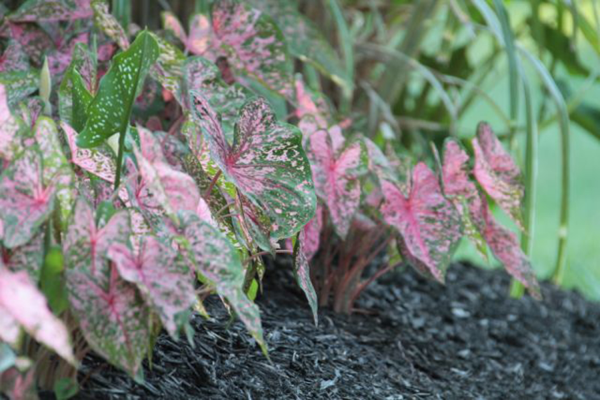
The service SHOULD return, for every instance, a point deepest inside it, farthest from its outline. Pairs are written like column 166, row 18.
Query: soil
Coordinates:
column 413, row 339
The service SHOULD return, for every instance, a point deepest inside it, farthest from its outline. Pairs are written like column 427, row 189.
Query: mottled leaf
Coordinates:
column 108, row 24
column 14, row 58
column 50, row 11
column 9, row 126
column 302, row 274
column 111, row 313
column 57, row 170
column 110, row 110
column 216, row 259
column 19, row 85
column 336, row 177
column 266, row 163
column 310, row 235
column 93, row 161
column 169, row 67
column 428, row 223
column 27, row 257
column 497, row 173
column 20, row 298
column 164, row 282
column 25, row 202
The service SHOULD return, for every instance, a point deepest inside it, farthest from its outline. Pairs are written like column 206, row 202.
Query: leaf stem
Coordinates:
column 208, row 191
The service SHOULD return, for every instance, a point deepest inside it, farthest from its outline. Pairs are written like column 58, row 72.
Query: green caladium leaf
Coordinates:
column 56, row 167
column 110, row 110
column 19, row 85
column 266, row 163
column 214, row 257
column 111, row 313
column 169, row 67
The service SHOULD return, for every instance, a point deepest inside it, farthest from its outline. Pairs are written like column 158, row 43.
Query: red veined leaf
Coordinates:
column 21, row 300
column 25, row 202
column 111, row 313
column 302, row 275
column 336, row 177
column 165, row 283
column 266, row 163
column 108, row 24
column 214, row 257
column 497, row 173
column 463, row 193
column 172, row 189
column 428, row 223
column 505, row 246
column 252, row 45
column 307, row 105
column 9, row 126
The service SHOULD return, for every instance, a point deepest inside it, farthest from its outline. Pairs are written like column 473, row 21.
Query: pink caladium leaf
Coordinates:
column 14, row 58
column 266, row 163
column 429, row 224
column 165, row 283
column 9, row 127
column 336, row 177
column 93, row 161
column 463, row 192
column 505, row 246
column 310, row 235
column 172, row 24
column 111, row 313
column 51, row 11
column 20, row 298
column 172, row 189
column 252, row 45
column 108, row 24
column 497, row 173
column 27, row 257
column 214, row 257
column 25, row 202
column 56, row 167
column 302, row 274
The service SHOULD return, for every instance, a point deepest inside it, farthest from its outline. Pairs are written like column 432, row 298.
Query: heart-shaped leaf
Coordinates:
column 430, row 226
column 164, row 282
column 463, row 193
column 10, row 144
column 336, row 176
column 214, row 257
column 111, row 313
column 110, row 110
column 497, row 173
column 21, row 300
column 266, row 163
column 25, row 202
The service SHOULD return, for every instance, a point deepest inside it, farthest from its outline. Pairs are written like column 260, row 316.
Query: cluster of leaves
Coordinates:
column 134, row 172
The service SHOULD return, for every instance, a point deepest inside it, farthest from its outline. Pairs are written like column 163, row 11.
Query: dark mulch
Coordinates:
column 466, row 340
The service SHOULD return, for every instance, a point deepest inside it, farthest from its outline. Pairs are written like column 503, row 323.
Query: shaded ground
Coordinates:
column 421, row 340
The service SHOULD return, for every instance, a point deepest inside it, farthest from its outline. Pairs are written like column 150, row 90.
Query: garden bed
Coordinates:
column 412, row 339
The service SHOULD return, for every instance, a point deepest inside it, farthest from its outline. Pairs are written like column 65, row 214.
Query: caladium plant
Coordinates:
column 235, row 176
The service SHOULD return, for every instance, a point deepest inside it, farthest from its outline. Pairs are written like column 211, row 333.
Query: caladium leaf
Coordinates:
column 164, row 282
column 35, row 41
column 266, row 163
column 19, row 85
column 9, row 126
column 214, row 257
column 108, row 24
column 27, row 257
column 310, row 235
column 497, row 173
column 14, row 58
column 110, row 110
column 252, row 45
column 336, row 177
column 90, row 160
column 172, row 24
column 169, row 67
column 463, row 193
column 25, row 202
column 21, row 300
column 304, row 39
column 428, row 223
column 111, row 313
column 302, row 274
column 56, row 168
column 172, row 189
column 51, row 11
column 505, row 246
